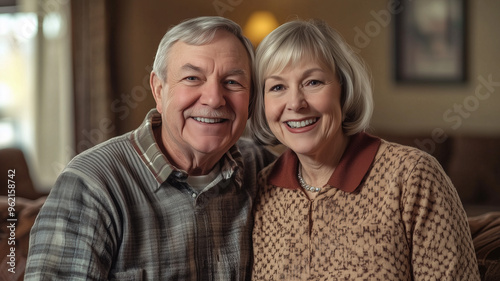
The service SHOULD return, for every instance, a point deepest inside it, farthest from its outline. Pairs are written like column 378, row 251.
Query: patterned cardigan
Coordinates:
column 394, row 217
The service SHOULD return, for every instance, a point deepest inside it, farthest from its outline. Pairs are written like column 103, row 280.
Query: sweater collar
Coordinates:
column 145, row 145
column 352, row 168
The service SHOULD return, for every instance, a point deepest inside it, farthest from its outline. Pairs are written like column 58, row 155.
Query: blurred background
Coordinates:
column 76, row 73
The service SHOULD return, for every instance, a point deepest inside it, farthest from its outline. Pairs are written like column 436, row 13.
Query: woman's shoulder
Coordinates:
column 404, row 155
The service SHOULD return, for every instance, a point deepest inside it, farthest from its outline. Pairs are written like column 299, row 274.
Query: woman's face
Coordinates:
column 302, row 107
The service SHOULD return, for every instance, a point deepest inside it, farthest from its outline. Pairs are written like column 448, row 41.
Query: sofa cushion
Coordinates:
column 474, row 169
column 14, row 234
column 485, row 231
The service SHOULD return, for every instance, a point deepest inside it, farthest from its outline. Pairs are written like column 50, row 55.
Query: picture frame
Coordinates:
column 430, row 41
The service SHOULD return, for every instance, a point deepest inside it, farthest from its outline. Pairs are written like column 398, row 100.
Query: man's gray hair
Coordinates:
column 196, row 31
column 199, row 31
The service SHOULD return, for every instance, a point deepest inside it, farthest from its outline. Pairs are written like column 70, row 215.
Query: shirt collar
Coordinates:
column 352, row 168
column 145, row 145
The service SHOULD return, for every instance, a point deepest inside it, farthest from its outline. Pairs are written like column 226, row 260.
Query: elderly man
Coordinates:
column 172, row 199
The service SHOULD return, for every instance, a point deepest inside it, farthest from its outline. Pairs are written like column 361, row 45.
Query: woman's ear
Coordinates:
column 156, row 84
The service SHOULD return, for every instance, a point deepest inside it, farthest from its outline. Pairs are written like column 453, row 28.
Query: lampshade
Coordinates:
column 259, row 24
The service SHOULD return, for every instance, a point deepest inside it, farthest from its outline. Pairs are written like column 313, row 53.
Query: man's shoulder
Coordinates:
column 247, row 144
column 105, row 153
column 249, row 147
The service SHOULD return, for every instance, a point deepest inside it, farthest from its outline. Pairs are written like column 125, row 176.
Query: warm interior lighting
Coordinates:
column 259, row 24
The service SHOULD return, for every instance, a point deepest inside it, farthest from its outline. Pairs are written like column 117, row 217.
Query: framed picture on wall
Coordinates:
column 430, row 41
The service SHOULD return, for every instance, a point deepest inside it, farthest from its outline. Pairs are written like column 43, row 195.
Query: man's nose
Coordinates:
column 213, row 94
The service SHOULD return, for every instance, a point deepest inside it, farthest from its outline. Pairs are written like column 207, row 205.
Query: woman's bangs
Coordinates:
column 289, row 54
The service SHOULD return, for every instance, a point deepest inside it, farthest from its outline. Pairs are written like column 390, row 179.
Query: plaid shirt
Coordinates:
column 120, row 211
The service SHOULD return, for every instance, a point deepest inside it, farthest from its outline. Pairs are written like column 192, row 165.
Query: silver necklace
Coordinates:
column 305, row 185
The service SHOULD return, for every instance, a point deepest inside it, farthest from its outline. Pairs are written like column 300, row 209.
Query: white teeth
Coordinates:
column 208, row 120
column 300, row 124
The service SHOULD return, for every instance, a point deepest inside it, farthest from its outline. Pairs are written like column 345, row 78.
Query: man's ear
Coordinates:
column 156, row 84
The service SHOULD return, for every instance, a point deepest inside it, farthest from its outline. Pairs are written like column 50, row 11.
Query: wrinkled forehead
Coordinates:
column 222, row 46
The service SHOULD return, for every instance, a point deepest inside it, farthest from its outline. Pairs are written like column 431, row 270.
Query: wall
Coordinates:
column 457, row 109
column 137, row 28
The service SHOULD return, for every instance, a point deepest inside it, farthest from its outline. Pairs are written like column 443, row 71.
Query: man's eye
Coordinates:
column 232, row 82
column 233, row 85
column 191, row 78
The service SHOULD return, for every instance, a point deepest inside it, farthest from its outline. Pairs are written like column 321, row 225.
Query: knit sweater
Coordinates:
column 389, row 212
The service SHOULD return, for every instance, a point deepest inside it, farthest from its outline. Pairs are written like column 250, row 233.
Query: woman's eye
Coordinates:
column 276, row 88
column 314, row 83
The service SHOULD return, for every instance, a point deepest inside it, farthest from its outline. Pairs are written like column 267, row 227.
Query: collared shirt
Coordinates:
column 388, row 212
column 348, row 174
column 120, row 211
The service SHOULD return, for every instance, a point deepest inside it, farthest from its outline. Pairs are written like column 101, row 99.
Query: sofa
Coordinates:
column 14, row 241
column 20, row 203
column 485, row 231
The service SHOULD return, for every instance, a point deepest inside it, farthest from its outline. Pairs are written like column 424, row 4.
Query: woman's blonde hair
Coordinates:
column 291, row 42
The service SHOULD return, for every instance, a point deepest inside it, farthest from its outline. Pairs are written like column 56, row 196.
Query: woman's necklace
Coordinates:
column 304, row 184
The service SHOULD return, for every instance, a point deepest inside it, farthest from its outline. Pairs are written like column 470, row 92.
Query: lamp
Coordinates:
column 259, row 24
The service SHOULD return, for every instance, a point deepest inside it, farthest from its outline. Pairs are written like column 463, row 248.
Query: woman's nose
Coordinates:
column 297, row 100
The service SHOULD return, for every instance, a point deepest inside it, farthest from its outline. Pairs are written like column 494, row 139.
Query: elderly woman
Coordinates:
column 341, row 204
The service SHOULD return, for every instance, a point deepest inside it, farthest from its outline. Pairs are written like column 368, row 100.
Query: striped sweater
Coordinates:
column 120, row 211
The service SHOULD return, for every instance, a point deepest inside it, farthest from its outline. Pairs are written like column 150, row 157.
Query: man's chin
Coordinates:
column 212, row 144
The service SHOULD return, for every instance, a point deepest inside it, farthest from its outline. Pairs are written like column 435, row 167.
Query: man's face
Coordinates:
column 204, row 100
